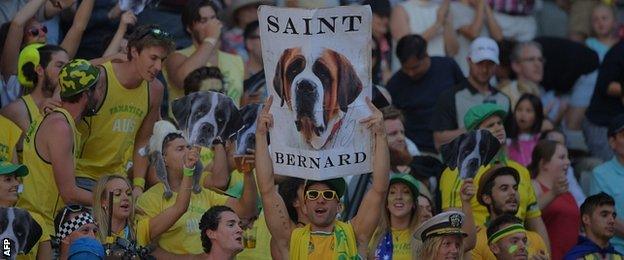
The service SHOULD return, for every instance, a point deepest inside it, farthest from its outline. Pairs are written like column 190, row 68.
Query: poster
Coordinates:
column 317, row 64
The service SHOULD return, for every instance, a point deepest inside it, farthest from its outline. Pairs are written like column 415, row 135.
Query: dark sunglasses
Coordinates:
column 158, row 33
column 34, row 31
column 315, row 194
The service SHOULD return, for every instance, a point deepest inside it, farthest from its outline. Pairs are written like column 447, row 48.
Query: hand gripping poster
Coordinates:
column 317, row 64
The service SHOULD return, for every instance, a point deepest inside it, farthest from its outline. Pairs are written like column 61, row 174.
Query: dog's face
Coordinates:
column 470, row 151
column 20, row 228
column 206, row 115
column 246, row 136
column 318, row 87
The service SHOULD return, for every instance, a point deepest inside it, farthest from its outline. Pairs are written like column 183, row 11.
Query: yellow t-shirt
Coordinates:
column 9, row 135
column 339, row 244
column 34, row 114
column 184, row 236
column 450, row 185
column 232, row 68
column 41, row 196
column 110, row 134
column 262, row 251
column 206, row 155
column 482, row 251
column 402, row 247
column 321, row 245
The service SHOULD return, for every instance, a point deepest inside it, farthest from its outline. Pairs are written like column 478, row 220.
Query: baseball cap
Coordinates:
column 407, row 180
column 86, row 248
column 339, row 185
column 479, row 113
column 30, row 53
column 77, row 76
column 616, row 125
column 8, row 168
column 484, row 48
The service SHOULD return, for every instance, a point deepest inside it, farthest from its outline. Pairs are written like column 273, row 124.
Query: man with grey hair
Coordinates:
column 528, row 62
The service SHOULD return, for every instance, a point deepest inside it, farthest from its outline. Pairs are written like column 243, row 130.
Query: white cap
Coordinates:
column 484, row 48
column 162, row 129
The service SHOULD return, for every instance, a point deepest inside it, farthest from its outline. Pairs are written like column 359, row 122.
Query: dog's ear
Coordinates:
column 349, row 84
column 488, row 147
column 181, row 109
column 234, row 123
column 29, row 226
column 450, row 152
column 278, row 79
column 161, row 172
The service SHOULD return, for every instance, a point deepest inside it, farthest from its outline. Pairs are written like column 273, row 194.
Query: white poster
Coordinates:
column 317, row 64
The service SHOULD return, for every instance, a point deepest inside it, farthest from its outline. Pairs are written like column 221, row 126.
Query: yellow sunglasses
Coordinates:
column 315, row 194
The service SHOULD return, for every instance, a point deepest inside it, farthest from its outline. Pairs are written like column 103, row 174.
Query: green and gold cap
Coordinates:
column 77, row 76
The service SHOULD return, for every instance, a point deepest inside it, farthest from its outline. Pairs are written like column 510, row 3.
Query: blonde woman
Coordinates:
column 122, row 222
column 441, row 237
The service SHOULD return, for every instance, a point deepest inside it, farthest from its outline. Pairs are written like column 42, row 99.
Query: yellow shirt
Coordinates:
column 206, row 155
column 141, row 232
column 9, row 135
column 110, row 134
column 34, row 114
column 41, row 196
column 450, row 185
column 262, row 251
column 231, row 66
column 321, row 245
column 340, row 244
column 402, row 247
column 482, row 251
column 184, row 236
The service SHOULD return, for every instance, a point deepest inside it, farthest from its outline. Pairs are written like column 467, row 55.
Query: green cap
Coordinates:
column 479, row 113
column 8, row 168
column 408, row 180
column 77, row 76
column 339, row 185
column 30, row 53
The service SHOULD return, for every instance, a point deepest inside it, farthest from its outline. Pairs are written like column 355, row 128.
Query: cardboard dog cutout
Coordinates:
column 317, row 68
column 21, row 230
column 246, row 136
column 469, row 151
column 206, row 116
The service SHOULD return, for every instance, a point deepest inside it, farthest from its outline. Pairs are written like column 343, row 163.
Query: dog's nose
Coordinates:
column 305, row 87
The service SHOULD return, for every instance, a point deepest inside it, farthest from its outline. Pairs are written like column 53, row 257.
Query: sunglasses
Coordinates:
column 315, row 194
column 34, row 31
column 158, row 33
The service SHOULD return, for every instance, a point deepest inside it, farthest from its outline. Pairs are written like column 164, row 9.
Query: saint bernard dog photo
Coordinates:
column 317, row 87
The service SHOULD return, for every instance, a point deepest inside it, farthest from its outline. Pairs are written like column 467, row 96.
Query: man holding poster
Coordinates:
column 324, row 237
column 318, row 62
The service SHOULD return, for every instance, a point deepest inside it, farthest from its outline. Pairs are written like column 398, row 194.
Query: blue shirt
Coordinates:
column 609, row 177
column 586, row 247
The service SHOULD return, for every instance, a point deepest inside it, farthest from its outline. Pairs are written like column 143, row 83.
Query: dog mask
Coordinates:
column 20, row 228
column 318, row 88
column 206, row 116
column 470, row 151
column 246, row 136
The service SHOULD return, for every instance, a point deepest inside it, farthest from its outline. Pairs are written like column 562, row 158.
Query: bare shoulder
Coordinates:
column 55, row 124
column 16, row 111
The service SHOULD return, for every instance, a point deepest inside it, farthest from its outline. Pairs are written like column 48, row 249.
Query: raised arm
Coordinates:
column 178, row 66
column 13, row 42
column 493, row 27
column 275, row 212
column 127, row 19
column 473, row 30
column 467, row 192
column 245, row 207
column 145, row 131
column 220, row 173
column 58, row 142
column 74, row 35
column 163, row 221
column 399, row 23
column 367, row 217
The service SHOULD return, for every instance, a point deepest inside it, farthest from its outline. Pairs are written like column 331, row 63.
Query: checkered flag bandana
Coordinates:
column 74, row 224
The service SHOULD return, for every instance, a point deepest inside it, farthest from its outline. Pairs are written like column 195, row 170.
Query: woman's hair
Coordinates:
column 513, row 130
column 429, row 248
column 385, row 226
column 210, row 221
column 542, row 153
column 195, row 79
column 288, row 190
column 101, row 216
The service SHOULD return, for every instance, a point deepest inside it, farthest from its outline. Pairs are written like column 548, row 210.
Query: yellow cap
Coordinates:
column 30, row 53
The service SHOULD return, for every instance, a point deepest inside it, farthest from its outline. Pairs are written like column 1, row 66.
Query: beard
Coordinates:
column 498, row 209
column 48, row 86
column 399, row 156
